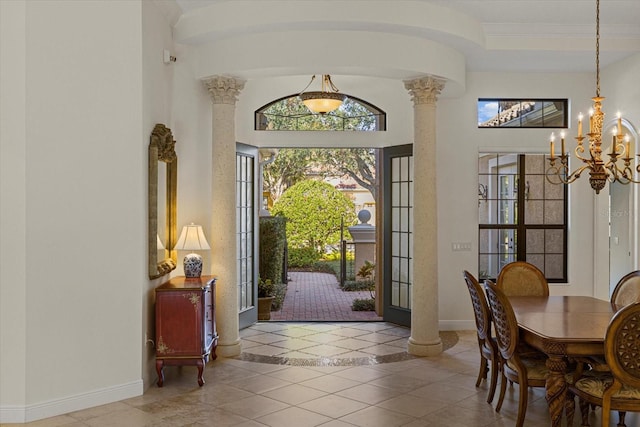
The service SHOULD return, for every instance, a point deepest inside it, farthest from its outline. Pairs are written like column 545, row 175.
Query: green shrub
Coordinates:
column 266, row 288
column 278, row 297
column 303, row 257
column 367, row 270
column 272, row 244
column 326, row 267
column 358, row 285
column 315, row 211
column 363, row 305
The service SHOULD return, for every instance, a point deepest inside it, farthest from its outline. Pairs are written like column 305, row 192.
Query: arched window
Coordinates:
column 289, row 113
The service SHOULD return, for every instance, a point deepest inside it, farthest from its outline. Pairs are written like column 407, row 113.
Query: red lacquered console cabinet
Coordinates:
column 185, row 324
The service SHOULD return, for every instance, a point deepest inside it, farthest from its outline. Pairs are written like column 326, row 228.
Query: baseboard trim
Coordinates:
column 38, row 411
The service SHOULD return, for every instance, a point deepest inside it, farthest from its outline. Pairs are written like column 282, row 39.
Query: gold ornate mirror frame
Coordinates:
column 162, row 257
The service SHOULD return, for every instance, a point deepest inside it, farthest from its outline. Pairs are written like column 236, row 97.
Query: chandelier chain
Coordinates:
column 598, row 48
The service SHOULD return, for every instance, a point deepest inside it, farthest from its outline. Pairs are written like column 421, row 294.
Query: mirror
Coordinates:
column 163, row 173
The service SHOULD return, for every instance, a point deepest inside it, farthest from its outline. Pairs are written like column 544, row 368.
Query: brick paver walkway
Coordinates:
column 317, row 296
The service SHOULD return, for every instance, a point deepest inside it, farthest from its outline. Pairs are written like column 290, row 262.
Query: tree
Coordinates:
column 314, row 211
column 293, row 165
column 357, row 163
column 289, row 167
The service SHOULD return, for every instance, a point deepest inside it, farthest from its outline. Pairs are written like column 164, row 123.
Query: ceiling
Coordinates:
column 515, row 35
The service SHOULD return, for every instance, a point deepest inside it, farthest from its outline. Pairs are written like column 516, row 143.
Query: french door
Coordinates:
column 247, row 232
column 397, row 201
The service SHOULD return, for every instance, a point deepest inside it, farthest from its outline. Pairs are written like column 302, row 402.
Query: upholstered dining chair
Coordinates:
column 486, row 342
column 525, row 369
column 520, row 278
column 627, row 290
column 618, row 389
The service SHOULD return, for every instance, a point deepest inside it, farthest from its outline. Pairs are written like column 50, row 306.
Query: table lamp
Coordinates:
column 192, row 239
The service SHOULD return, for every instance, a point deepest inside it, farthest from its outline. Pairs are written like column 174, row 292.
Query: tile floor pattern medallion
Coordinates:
column 431, row 391
column 329, row 344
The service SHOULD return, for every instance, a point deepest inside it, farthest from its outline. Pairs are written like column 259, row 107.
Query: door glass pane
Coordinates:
column 401, row 229
column 244, row 231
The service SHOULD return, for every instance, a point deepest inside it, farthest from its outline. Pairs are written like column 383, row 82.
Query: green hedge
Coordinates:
column 303, row 257
column 273, row 236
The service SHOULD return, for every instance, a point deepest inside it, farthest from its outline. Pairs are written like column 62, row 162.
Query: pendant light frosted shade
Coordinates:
column 324, row 101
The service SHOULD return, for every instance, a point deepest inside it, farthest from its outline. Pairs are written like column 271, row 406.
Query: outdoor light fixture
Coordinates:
column 192, row 239
column 600, row 171
column 324, row 101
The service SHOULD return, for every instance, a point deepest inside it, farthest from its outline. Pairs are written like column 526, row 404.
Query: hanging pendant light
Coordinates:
column 324, row 101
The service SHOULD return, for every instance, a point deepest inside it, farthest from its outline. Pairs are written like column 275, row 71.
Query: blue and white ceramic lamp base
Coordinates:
column 192, row 266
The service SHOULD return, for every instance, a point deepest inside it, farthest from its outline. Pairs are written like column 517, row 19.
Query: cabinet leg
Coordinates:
column 200, row 365
column 213, row 351
column 160, row 371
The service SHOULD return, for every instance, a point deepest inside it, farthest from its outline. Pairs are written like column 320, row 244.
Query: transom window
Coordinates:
column 289, row 113
column 521, row 216
column 522, row 113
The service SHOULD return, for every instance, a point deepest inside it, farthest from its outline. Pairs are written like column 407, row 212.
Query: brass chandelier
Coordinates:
column 600, row 171
column 324, row 101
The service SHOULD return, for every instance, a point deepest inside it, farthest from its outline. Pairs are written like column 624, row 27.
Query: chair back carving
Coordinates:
column 627, row 291
column 622, row 346
column 520, row 278
column 504, row 320
column 480, row 306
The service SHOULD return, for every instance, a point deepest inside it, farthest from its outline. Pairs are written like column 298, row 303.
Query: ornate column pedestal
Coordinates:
column 224, row 92
column 425, row 339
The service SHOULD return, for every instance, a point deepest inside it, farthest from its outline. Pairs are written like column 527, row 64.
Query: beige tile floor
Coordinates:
column 324, row 374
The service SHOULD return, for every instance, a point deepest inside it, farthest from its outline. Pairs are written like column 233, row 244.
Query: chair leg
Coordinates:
column 584, row 412
column 503, row 389
column 621, row 415
column 494, row 380
column 523, row 400
column 606, row 413
column 482, row 374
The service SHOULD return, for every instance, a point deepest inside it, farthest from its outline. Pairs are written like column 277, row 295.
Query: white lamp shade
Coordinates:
column 192, row 239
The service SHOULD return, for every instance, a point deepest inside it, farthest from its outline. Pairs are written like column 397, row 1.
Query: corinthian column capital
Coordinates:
column 424, row 90
column 224, row 90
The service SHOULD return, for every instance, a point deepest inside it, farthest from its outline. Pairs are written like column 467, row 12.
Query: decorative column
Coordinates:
column 425, row 339
column 224, row 92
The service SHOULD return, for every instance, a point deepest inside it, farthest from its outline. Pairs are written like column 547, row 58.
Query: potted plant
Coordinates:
column 266, row 292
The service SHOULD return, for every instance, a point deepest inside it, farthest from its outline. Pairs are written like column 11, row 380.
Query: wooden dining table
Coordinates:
column 563, row 327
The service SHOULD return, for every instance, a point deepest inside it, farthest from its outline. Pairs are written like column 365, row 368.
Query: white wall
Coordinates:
column 156, row 108
column 460, row 140
column 75, row 196
column 173, row 96
column 620, row 87
column 13, row 250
